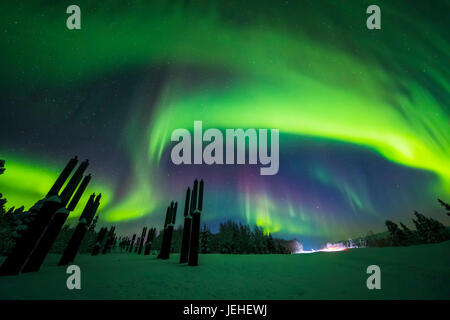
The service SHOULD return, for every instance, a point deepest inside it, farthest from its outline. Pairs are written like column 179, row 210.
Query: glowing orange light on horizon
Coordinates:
column 328, row 248
column 333, row 249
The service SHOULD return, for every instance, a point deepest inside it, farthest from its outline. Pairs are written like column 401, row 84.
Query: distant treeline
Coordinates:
column 233, row 238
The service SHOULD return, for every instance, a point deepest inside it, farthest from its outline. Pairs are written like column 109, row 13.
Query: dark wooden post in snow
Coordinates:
column 164, row 234
column 47, row 239
column 141, row 243
column 130, row 248
column 170, row 226
column 136, row 244
column 168, row 231
column 148, row 242
column 195, row 233
column 71, row 186
column 184, row 255
column 109, row 240
column 54, row 190
column 98, row 243
column 84, row 222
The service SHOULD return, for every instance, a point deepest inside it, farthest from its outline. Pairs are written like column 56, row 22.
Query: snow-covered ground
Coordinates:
column 406, row 273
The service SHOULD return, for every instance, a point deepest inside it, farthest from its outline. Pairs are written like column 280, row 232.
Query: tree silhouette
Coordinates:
column 411, row 236
column 2, row 166
column 398, row 237
column 204, row 240
column 445, row 205
column 430, row 230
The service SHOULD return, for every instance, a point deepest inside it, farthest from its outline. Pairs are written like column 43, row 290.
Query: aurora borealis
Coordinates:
column 363, row 114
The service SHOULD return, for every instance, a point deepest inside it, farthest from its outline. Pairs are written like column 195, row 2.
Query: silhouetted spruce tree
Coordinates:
column 398, row 237
column 236, row 240
column 225, row 237
column 2, row 204
column 12, row 223
column 411, row 236
column 204, row 240
column 2, row 200
column 270, row 244
column 378, row 240
column 281, row 246
column 256, row 239
column 430, row 230
column 244, row 233
column 214, row 243
column 445, row 205
column 252, row 247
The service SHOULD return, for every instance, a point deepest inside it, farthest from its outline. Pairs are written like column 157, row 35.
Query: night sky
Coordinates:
column 363, row 114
